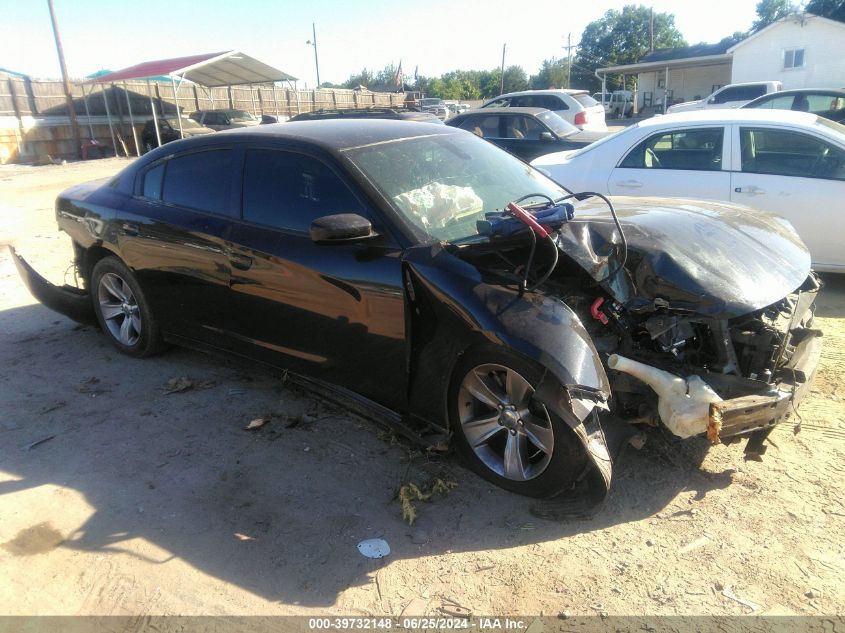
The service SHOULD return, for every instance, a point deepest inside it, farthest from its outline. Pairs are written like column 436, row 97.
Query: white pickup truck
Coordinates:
column 617, row 104
column 730, row 96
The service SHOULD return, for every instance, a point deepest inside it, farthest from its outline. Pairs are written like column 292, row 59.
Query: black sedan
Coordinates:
column 168, row 131
column 450, row 288
column 525, row 132
column 826, row 103
column 400, row 114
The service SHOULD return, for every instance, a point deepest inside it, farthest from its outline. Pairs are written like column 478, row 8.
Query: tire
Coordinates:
column 502, row 435
column 122, row 309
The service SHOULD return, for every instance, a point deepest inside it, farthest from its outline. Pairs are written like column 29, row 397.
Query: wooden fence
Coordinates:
column 34, row 114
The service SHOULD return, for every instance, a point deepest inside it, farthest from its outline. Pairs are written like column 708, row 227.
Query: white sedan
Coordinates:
column 790, row 163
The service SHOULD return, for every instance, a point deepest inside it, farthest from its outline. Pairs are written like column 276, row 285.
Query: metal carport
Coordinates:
column 211, row 70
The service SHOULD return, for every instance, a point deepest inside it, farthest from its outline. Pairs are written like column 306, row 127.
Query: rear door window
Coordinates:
column 288, row 190
column 783, row 153
column 200, row 180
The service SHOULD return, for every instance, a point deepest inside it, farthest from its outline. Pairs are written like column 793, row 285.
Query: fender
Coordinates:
column 452, row 309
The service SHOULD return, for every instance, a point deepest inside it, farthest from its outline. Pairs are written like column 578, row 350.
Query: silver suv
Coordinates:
column 436, row 106
column 574, row 106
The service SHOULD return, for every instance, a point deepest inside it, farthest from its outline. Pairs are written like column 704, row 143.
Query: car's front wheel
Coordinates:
column 122, row 309
column 504, row 434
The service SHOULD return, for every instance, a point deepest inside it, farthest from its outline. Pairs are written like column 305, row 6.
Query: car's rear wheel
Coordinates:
column 122, row 309
column 504, row 434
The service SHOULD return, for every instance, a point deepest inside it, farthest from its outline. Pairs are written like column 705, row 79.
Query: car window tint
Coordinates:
column 201, row 180
column 152, row 182
column 585, row 100
column 699, row 149
column 486, row 126
column 783, row 153
column 287, row 190
column 550, row 102
column 740, row 93
column 778, row 103
column 499, row 103
column 522, row 127
column 822, row 104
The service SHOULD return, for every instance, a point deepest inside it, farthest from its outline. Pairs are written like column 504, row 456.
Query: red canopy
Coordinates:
column 229, row 68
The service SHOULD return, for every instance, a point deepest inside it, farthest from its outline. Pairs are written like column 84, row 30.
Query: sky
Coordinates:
column 434, row 35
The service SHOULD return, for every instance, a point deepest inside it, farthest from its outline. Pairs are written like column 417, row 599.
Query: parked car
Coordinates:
column 730, row 96
column 790, row 163
column 450, row 289
column 822, row 102
column 524, row 132
column 225, row 119
column 404, row 114
column 168, row 128
column 617, row 104
column 573, row 106
column 435, row 106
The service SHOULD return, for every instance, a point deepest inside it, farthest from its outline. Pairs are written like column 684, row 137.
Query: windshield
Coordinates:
column 556, row 124
column 444, row 183
column 431, row 102
column 240, row 116
column 187, row 124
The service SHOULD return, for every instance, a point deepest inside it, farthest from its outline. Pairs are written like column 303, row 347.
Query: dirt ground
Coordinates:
column 119, row 499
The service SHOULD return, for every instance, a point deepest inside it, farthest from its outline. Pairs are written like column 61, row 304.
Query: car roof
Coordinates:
column 806, row 91
column 733, row 115
column 338, row 134
column 549, row 91
column 504, row 110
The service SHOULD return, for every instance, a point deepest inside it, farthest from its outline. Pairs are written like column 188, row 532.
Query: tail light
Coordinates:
column 581, row 118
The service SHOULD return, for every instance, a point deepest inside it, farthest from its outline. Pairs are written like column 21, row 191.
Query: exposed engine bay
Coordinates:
column 674, row 349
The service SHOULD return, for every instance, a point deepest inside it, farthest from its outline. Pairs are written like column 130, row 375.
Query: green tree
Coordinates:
column 489, row 82
column 769, row 11
column 364, row 78
column 515, row 79
column 552, row 74
column 833, row 9
column 621, row 37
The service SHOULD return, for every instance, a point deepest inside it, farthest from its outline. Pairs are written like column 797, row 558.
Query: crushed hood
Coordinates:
column 710, row 258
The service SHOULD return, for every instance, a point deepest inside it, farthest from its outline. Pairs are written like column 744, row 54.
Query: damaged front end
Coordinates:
column 702, row 315
column 714, row 318
column 722, row 378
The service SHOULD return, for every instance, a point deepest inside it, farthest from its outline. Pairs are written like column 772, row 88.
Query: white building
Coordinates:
column 801, row 51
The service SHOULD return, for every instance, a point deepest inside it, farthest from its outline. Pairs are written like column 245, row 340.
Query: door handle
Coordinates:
column 751, row 190
column 129, row 228
column 241, row 262
column 631, row 184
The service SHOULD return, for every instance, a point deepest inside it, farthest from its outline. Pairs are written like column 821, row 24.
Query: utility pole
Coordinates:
column 502, row 79
column 314, row 44
column 68, row 98
column 569, row 48
column 651, row 30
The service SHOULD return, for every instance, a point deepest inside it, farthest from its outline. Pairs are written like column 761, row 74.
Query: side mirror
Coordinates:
column 341, row 227
column 547, row 136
